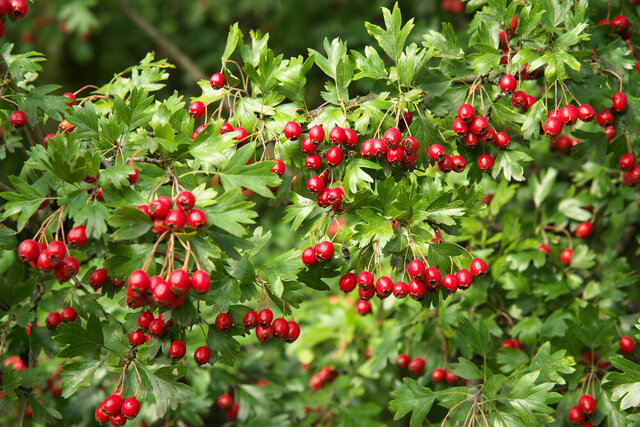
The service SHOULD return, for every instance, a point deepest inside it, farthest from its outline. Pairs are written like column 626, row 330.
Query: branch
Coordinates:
column 173, row 51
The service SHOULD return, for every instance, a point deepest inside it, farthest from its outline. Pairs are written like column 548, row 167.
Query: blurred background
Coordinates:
column 87, row 41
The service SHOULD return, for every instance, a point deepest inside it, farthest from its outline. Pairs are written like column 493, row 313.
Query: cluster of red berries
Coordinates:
column 226, row 403
column 266, row 327
column 504, row 36
column 99, row 277
column 49, row 258
column 157, row 328
column 323, row 377
column 339, row 137
column 446, row 163
column 393, row 148
column 142, row 289
column 322, row 252
column 585, row 407
column 415, row 365
column 15, row 9
column 68, row 314
column 165, row 218
column 565, row 256
column 438, row 375
column 117, row 411
column 630, row 171
column 620, row 24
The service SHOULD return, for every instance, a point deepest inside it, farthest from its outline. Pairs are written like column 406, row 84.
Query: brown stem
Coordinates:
column 173, row 51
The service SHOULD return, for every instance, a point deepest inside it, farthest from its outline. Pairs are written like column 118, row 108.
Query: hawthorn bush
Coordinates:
column 173, row 260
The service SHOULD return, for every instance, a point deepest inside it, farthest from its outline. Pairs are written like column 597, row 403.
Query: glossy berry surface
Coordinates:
column 627, row 344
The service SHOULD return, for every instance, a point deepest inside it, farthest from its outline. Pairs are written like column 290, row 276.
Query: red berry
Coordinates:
column 485, row 163
column 438, row 375
column 403, row 361
column 459, row 163
column 117, row 420
column 293, row 332
column 112, row 404
column 627, row 162
column 18, row 8
column 619, row 102
column 264, row 333
column 161, row 291
column 68, row 314
column 568, row 115
column 366, row 149
column 98, row 278
column 157, row 327
column 575, row 415
column 395, row 155
column 363, row 307
column 446, row 164
column 478, row 267
column 384, row 286
column 365, row 280
column 316, row 133
column 309, row 256
column 158, row 209
column 451, row 378
column 520, row 100
column 136, row 338
column 605, row 118
column 513, row 26
column 196, row 219
column 53, row 320
column 130, row 408
column 436, row 152
column 627, row 344
column 552, row 127
column 433, row 279
column 280, row 327
column 392, row 137
column 28, row 251
column 416, row 365
column 250, row 320
column 324, row 251
column 265, row 317
column 334, row 156
column 337, row 135
column 351, row 138
column 217, row 80
column 202, row 355
column 466, row 113
column 565, row 256
column 584, row 230
column 478, row 125
column 464, row 278
column 460, row 128
column 315, row 185
column 197, row 132
column 417, row 289
column 292, row 131
column 18, row 119
column 196, row 109
column 307, row 146
column 450, row 283
column 347, row 282
column 177, row 350
column 175, row 220
column 502, row 140
column 138, row 282
column 400, row 290
column 586, row 113
column 278, row 168
column 410, row 144
column 587, row 404
column 508, row 83
column 200, row 282
column 313, row 162
column 619, row 23
column 241, row 136
column 185, row 201
column 67, row 268
column 225, row 401
column 226, row 128
column 223, row 322
column 179, row 282
column 470, row 140
column 232, row 413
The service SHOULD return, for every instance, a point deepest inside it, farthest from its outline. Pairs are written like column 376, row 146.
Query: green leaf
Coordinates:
column 464, row 368
column 241, row 269
column 300, row 209
column 511, row 163
column 39, row 99
column 130, row 223
column 370, row 64
column 625, row 385
column 80, row 341
column 373, row 227
column 393, row 38
column 444, row 46
column 573, row 208
column 476, row 335
column 355, row 177
column 234, row 36
column 542, row 187
column 25, row 202
column 77, row 375
column 167, row 391
column 223, row 346
column 530, row 400
column 552, row 365
column 232, row 212
column 255, row 176
column 412, row 397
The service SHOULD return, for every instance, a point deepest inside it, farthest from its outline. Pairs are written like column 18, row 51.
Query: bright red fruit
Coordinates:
column 200, row 282
column 217, row 80
column 619, row 102
column 627, row 344
column 223, row 322
column 403, row 361
column 478, row 267
column 565, row 256
column 68, row 314
column 416, row 365
column 466, row 113
column 202, row 355
column 292, row 131
column 53, row 320
column 508, row 83
column 196, row 109
column 112, row 404
column 309, row 256
column 196, row 219
column 18, row 119
column 485, row 163
column 324, row 251
column 584, row 230
column 438, row 375
column 586, row 113
column 587, row 404
column 225, row 401
column 28, row 251
column 177, row 350
column 575, row 415
column 347, row 282
column 363, row 307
